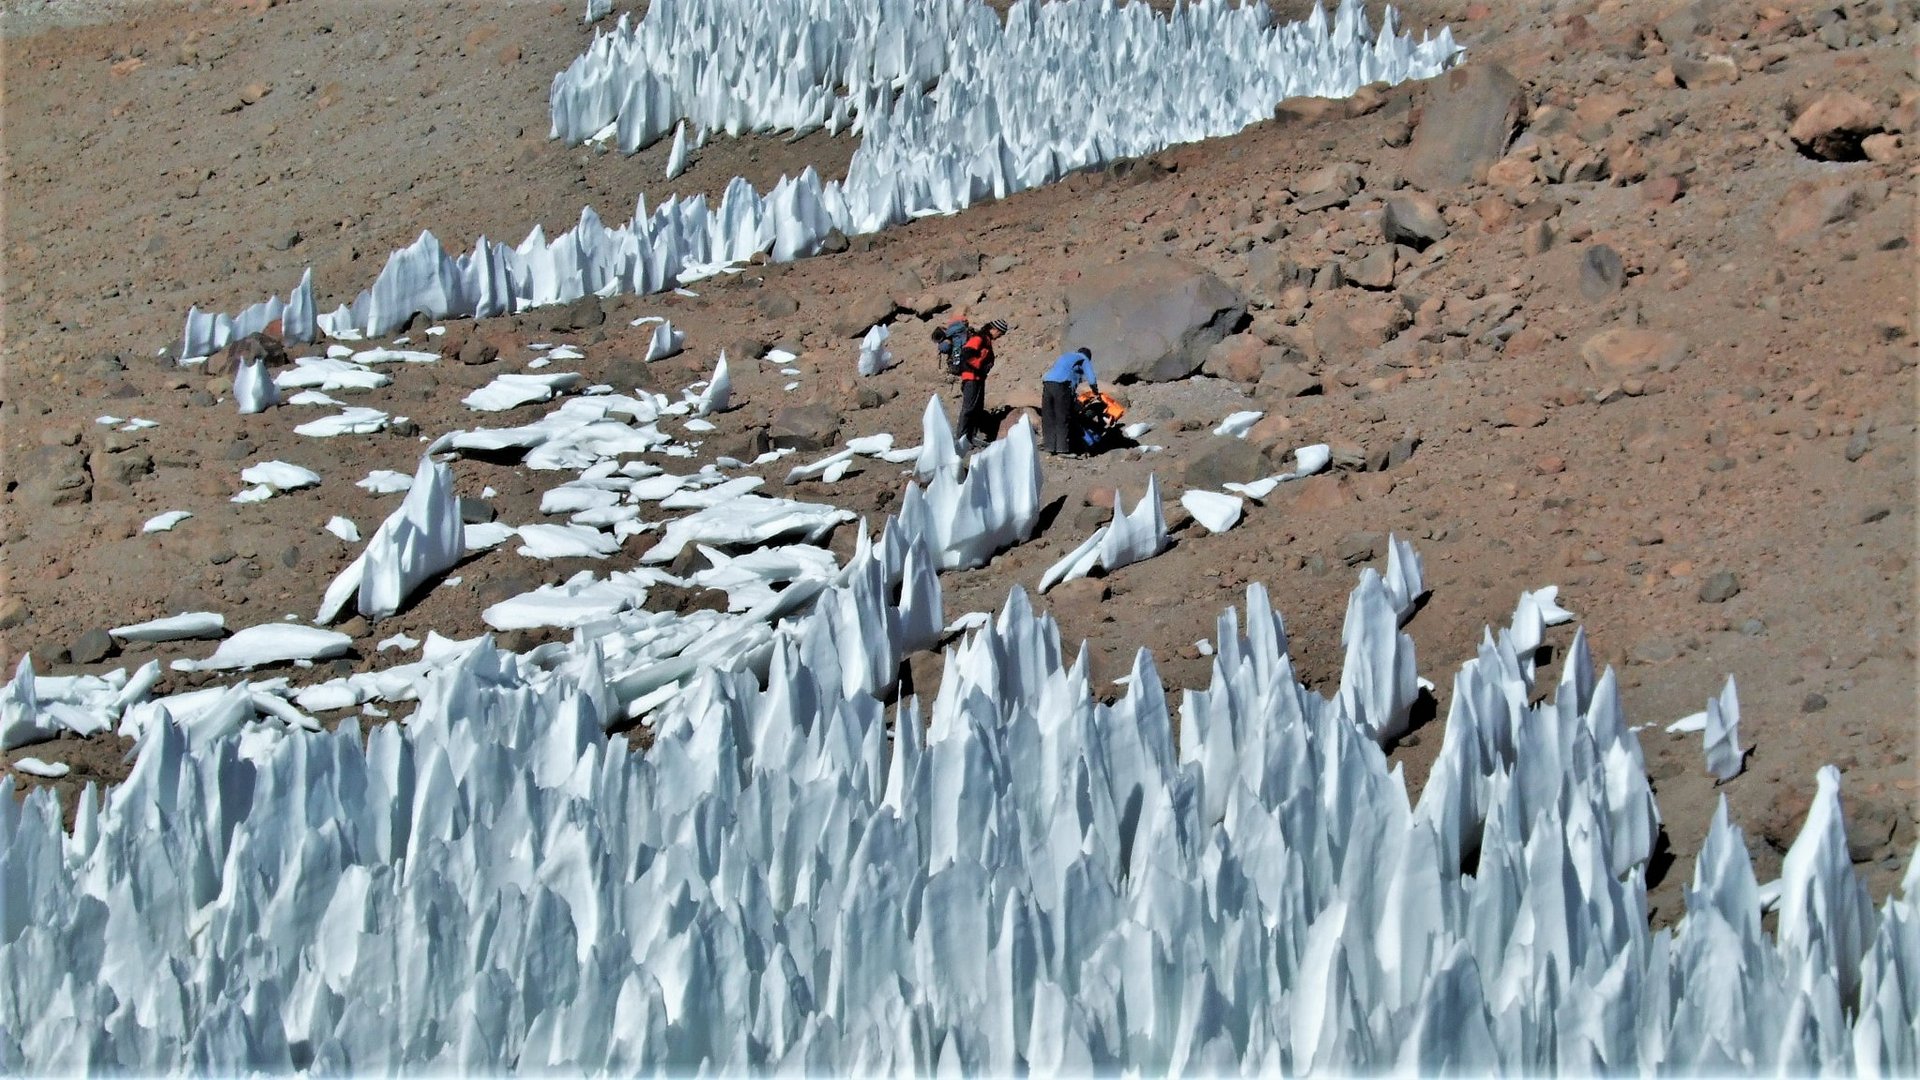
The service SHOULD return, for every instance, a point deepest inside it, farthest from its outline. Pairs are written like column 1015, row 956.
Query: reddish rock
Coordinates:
column 1625, row 351
column 1833, row 125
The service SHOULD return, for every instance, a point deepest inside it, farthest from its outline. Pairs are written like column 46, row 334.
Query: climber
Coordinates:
column 976, row 361
column 1058, row 413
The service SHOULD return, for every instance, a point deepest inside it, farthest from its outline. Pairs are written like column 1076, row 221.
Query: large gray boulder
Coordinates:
column 1471, row 114
column 1149, row 318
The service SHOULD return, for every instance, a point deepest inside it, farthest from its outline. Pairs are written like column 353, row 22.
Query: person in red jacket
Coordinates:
column 976, row 360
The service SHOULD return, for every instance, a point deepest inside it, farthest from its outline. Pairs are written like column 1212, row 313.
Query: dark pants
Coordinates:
column 973, row 410
column 1056, row 418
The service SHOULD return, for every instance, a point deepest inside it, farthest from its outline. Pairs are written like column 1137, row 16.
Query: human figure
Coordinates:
column 976, row 361
column 1058, row 414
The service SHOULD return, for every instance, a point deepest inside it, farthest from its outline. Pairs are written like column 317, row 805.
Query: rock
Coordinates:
column 1239, row 358
column 1030, row 413
column 862, row 315
column 469, row 349
column 1858, row 445
column 1813, row 703
column 683, row 599
column 834, row 243
column 1343, row 178
column 1316, row 494
column 256, row 346
column 957, row 267
column 1470, row 114
column 745, row 446
column 1720, row 587
column 1358, row 547
column 1100, row 495
column 777, row 303
column 355, row 627
column 1537, row 238
column 1882, row 148
column 92, row 647
column 1374, row 270
column 1807, row 209
column 1625, row 351
column 1870, row 830
column 1412, row 219
column 476, row 511
column 1077, row 600
column 583, row 314
column 1339, row 335
column 814, row 426
column 1662, row 190
column 1713, row 70
column 1832, row 127
column 121, row 469
column 1149, row 317
column 52, row 476
column 1287, row 380
column 1222, row 460
column 1601, row 272
column 1521, row 414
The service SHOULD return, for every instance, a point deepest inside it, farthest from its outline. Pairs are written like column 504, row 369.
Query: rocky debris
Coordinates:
column 1694, row 72
column 53, row 476
column 1374, row 269
column 1223, row 460
column 1412, row 219
column 1808, row 209
column 1287, row 379
column 1832, row 126
column 1358, row 547
column 1356, row 327
column 1470, row 115
column 957, row 267
column 814, row 426
column 476, row 511
column 1719, row 587
column 583, row 314
column 1241, row 358
column 465, row 347
column 1393, row 455
column 256, row 346
column 122, row 468
column 1150, row 317
column 92, row 647
column 1328, row 187
column 1601, row 272
column 1626, row 351
column 777, row 303
column 863, row 314
column 1813, row 702
column 13, row 612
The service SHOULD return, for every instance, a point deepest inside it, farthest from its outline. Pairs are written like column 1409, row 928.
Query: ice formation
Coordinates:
column 995, row 506
column 875, row 357
column 1010, row 878
column 1131, row 537
column 1215, row 511
column 253, row 389
column 419, row 540
column 951, row 108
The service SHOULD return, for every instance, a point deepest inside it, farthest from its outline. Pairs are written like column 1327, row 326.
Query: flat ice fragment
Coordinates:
column 257, row 493
column 280, row 475
column 353, row 420
column 1236, row 425
column 271, row 643
column 665, row 342
column 546, row 541
column 1215, row 511
column 166, row 521
column 514, row 389
column 385, row 481
column 313, row 397
column 378, row 355
column 780, row 357
column 109, row 421
column 188, row 626
column 398, row 641
column 139, row 424
column 344, row 528
column 46, row 770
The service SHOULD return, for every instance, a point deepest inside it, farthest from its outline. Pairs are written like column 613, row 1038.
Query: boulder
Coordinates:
column 814, row 426
column 1412, row 219
column 583, row 314
column 1150, row 317
column 1224, row 460
column 1806, row 209
column 255, row 346
column 1601, row 272
column 957, row 267
column 1625, row 351
column 1287, row 379
column 1470, row 114
column 1833, row 125
column 777, row 303
column 1339, row 334
column 858, row 316
column 52, row 476
column 1239, row 357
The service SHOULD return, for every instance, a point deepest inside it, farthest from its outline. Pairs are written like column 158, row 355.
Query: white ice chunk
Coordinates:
column 353, row 420
column 253, row 389
column 665, row 342
column 544, row 541
column 1215, row 511
column 271, row 643
column 46, row 770
column 718, row 395
column 483, row 535
column 165, row 522
column 385, row 481
column 188, row 626
column 514, row 389
column 1236, row 425
column 280, row 475
column 344, row 528
column 1725, row 757
column 419, row 540
column 875, row 357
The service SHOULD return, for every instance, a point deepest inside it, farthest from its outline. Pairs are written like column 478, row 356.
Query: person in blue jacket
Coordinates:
column 1057, row 411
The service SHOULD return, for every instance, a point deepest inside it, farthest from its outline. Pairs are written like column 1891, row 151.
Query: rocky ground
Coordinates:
column 1658, row 350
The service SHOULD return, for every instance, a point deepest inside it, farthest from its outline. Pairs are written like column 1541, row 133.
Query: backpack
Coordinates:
column 949, row 340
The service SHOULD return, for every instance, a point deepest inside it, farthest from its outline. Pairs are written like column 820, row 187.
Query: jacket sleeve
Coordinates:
column 1086, row 371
